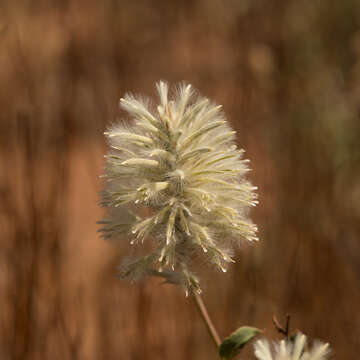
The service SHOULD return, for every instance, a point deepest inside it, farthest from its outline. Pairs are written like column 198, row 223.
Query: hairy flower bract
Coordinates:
column 175, row 179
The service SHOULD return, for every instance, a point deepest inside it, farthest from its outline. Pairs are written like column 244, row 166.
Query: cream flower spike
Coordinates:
column 175, row 179
column 288, row 350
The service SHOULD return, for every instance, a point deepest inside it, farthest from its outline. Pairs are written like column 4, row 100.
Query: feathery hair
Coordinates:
column 175, row 177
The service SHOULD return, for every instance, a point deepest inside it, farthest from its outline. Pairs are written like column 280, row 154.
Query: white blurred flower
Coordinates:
column 291, row 350
column 174, row 176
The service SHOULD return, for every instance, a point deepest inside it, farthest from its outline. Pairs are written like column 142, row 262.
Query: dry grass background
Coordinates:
column 288, row 75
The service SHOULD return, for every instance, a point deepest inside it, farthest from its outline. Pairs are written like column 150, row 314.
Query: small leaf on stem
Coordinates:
column 232, row 345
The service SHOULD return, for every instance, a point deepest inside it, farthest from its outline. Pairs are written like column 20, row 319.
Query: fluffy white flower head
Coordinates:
column 288, row 350
column 176, row 179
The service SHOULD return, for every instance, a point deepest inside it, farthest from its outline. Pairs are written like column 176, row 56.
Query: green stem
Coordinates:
column 207, row 320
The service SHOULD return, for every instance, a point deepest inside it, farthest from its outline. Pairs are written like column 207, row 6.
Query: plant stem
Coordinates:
column 207, row 320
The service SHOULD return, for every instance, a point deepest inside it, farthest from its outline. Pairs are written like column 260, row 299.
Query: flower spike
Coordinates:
column 175, row 177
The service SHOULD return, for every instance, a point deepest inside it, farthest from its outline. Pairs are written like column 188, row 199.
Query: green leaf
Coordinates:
column 232, row 345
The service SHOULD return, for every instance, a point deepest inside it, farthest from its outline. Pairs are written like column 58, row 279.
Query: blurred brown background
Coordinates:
column 288, row 75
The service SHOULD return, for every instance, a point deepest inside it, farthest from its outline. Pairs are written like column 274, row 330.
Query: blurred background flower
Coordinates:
column 295, row 349
column 287, row 74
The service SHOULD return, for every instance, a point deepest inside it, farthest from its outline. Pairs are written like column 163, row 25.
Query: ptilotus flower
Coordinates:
column 291, row 350
column 175, row 179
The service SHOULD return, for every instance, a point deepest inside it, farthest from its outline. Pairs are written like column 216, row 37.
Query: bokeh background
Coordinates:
column 288, row 75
